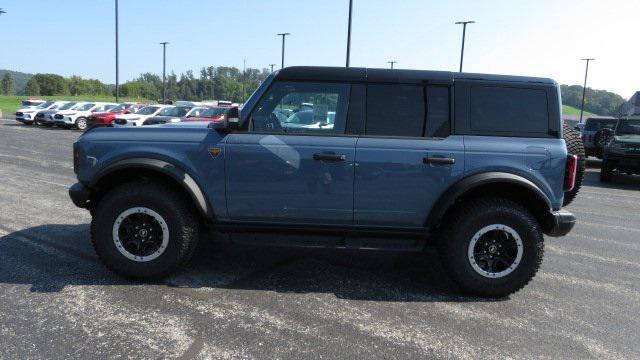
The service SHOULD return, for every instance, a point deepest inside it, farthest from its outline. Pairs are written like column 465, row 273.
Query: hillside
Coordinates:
column 570, row 110
column 20, row 79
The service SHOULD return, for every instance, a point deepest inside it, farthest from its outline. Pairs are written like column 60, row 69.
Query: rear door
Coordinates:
column 295, row 163
column 406, row 158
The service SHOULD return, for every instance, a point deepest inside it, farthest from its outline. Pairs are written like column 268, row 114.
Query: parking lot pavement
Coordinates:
column 58, row 301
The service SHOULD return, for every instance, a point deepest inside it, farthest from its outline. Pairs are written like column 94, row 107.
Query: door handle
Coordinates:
column 329, row 157
column 438, row 160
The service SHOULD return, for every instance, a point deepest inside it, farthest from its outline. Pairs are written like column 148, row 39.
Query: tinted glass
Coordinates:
column 504, row 109
column 599, row 124
column 300, row 107
column 628, row 127
column 147, row 110
column 67, row 106
column 438, row 121
column 395, row 110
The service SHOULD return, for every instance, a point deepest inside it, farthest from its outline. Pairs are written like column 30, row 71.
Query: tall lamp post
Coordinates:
column 392, row 62
column 283, row 36
column 349, row 33
column 584, row 87
column 464, row 32
column 164, row 71
column 117, row 67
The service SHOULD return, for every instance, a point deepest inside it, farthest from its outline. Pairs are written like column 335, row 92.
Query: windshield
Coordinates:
column 45, row 105
column 214, row 112
column 628, row 127
column 67, row 106
column 147, row 110
column 599, row 124
column 84, row 107
column 177, row 111
column 196, row 112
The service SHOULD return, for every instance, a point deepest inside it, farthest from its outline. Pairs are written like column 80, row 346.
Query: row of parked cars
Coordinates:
column 87, row 114
column 615, row 141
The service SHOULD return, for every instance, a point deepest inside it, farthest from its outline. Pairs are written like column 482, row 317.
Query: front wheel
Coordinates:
column 491, row 246
column 81, row 123
column 144, row 230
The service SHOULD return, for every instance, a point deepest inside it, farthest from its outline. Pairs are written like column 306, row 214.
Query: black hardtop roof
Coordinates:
column 352, row 74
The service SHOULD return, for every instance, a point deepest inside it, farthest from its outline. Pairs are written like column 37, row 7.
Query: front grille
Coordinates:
column 58, row 117
column 120, row 121
column 40, row 115
column 19, row 113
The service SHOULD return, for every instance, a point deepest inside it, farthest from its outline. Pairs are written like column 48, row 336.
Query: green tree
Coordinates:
column 8, row 84
column 51, row 84
column 32, row 88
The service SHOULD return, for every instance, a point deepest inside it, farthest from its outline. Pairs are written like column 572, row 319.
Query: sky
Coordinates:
column 538, row 38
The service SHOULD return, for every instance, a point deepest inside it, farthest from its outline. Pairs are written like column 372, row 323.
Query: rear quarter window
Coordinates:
column 508, row 110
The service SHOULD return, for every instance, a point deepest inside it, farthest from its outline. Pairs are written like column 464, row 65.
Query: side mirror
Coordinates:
column 232, row 119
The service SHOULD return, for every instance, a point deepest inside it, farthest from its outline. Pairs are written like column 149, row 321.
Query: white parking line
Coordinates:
column 50, row 183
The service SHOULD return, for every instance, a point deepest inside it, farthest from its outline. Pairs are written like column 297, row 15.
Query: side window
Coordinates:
column 508, row 110
column 438, row 109
column 302, row 108
column 395, row 110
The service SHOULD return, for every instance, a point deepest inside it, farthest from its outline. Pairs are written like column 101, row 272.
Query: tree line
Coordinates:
column 230, row 83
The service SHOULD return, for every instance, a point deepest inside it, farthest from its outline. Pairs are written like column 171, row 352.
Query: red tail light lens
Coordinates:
column 570, row 172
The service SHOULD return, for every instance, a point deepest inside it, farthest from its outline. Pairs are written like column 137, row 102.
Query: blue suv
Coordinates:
column 356, row 158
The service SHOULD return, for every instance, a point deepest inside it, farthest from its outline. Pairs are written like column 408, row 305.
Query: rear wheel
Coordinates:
column 574, row 147
column 144, row 230
column 491, row 246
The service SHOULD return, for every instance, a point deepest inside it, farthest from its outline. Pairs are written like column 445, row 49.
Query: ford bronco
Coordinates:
column 356, row 158
column 621, row 149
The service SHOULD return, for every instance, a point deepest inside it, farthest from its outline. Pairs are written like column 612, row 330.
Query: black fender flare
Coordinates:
column 449, row 197
column 178, row 174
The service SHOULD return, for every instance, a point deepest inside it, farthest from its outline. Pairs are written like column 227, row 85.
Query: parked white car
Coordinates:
column 77, row 116
column 139, row 117
column 46, row 117
column 27, row 115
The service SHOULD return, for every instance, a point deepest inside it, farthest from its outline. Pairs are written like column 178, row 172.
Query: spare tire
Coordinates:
column 574, row 147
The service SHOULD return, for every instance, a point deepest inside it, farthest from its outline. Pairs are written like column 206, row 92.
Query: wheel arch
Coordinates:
column 149, row 169
column 500, row 184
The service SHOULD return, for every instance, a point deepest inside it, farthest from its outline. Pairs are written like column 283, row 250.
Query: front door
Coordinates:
column 294, row 164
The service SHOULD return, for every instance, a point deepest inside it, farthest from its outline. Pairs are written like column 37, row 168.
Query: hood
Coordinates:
column 152, row 134
column 29, row 110
column 627, row 139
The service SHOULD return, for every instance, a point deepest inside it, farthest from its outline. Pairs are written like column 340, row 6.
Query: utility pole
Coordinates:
column 283, row 36
column 244, row 72
column 584, row 87
column 272, row 65
column 164, row 71
column 117, row 65
column 392, row 62
column 464, row 31
column 349, row 33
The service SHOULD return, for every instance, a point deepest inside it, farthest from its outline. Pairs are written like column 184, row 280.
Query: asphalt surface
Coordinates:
column 58, row 301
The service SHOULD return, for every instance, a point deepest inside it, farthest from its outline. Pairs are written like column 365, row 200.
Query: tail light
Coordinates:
column 570, row 172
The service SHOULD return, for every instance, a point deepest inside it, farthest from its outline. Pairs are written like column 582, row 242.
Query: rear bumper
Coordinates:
column 79, row 194
column 563, row 222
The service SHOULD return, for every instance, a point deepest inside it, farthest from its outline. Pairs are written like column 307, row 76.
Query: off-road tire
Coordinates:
column 606, row 171
column 180, row 217
column 468, row 218
column 574, row 147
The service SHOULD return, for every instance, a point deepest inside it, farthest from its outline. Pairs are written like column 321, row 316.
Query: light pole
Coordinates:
column 244, row 76
column 272, row 65
column 164, row 71
column 349, row 33
column 584, row 87
column 392, row 62
column 117, row 67
column 283, row 36
column 464, row 31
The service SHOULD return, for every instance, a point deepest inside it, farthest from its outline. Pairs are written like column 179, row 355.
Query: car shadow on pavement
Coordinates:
column 49, row 257
column 618, row 181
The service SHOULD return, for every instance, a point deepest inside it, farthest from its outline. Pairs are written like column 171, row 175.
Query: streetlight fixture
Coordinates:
column 164, row 71
column 117, row 65
column 584, row 87
column 2, row 11
column 349, row 33
column 283, row 36
column 464, row 31
column 392, row 62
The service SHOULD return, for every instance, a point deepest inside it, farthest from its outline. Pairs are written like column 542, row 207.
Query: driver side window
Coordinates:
column 302, row 108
